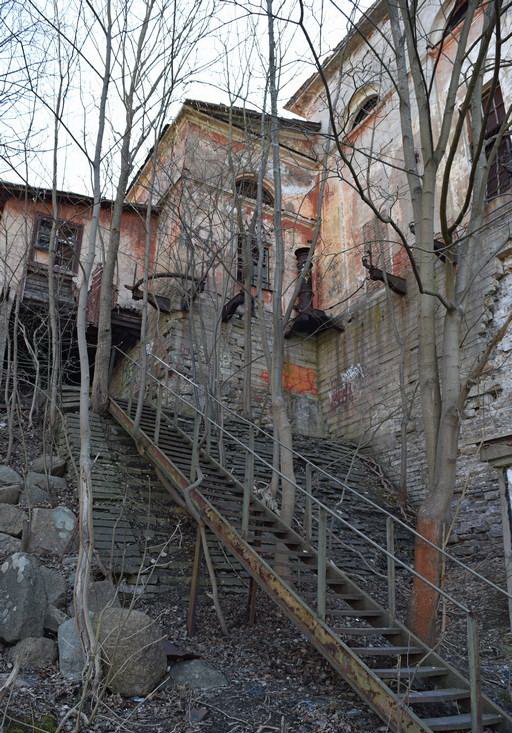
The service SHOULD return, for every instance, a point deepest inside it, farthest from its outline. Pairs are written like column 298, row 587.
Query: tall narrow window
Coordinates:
column 265, row 269
column 66, row 243
column 500, row 172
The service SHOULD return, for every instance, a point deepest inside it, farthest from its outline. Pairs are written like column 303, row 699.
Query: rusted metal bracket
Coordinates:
column 397, row 284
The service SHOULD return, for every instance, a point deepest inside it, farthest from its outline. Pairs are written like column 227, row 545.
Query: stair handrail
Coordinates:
column 328, row 475
column 323, row 562
column 314, row 499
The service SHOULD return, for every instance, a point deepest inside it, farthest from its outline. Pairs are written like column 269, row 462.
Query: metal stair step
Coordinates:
column 386, row 651
column 389, row 673
column 368, row 630
column 459, row 722
column 354, row 612
column 447, row 694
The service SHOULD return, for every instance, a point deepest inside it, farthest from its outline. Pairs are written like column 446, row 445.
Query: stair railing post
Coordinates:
column 474, row 673
column 390, row 546
column 195, row 447
column 308, row 503
column 158, row 418
column 248, row 483
column 321, row 562
column 131, row 385
column 220, row 442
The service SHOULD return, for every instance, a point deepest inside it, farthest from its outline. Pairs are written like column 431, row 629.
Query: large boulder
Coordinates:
column 54, row 465
column 8, row 545
column 71, row 655
column 22, row 598
column 10, row 494
column 132, row 650
column 101, row 595
column 9, row 476
column 53, row 619
column 34, row 652
column 51, row 530
column 11, row 520
column 55, row 584
column 42, row 489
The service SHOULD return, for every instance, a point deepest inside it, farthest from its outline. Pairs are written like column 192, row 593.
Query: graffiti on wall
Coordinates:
column 343, row 385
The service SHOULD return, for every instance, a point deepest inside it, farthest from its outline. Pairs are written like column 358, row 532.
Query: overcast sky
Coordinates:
column 228, row 62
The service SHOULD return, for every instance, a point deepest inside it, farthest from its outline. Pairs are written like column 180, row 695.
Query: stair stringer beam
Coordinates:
column 390, row 707
column 368, row 686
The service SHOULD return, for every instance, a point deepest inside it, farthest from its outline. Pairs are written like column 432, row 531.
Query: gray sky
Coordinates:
column 229, row 62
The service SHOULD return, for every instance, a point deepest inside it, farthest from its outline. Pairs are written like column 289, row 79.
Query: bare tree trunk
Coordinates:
column 85, row 491
column 282, row 427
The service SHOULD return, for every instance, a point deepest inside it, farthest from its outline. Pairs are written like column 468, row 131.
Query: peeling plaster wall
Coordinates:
column 358, row 376
column 204, row 349
column 17, row 231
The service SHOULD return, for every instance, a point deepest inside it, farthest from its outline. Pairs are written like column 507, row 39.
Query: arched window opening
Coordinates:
column 248, row 187
column 458, row 12
column 255, row 254
column 365, row 109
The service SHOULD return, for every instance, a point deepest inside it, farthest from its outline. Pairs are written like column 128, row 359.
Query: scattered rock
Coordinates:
column 198, row 674
column 9, row 476
column 54, row 465
column 132, row 651
column 34, row 652
column 71, row 655
column 10, row 494
column 102, row 594
column 196, row 715
column 55, row 585
column 8, row 545
column 35, row 496
column 51, row 530
column 41, row 489
column 19, row 681
column 22, row 598
column 11, row 520
column 53, row 619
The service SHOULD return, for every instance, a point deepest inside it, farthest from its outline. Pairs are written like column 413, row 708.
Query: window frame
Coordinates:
column 39, row 218
column 499, row 178
column 265, row 270
column 250, row 179
column 456, row 16
column 375, row 98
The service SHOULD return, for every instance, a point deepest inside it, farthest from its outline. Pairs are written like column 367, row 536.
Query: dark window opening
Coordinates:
column 459, row 10
column 255, row 252
column 248, row 187
column 368, row 105
column 500, row 171
column 66, row 242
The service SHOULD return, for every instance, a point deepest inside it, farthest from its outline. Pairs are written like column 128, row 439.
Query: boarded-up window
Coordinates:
column 500, row 172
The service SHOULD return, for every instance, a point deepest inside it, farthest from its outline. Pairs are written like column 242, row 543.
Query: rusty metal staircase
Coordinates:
column 406, row 683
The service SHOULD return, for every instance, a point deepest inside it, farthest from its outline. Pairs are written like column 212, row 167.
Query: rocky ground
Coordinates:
column 258, row 679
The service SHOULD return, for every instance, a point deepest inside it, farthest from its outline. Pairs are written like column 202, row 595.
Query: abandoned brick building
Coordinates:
column 342, row 366
column 343, row 380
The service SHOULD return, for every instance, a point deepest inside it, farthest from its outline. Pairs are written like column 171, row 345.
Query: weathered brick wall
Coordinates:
column 359, row 387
